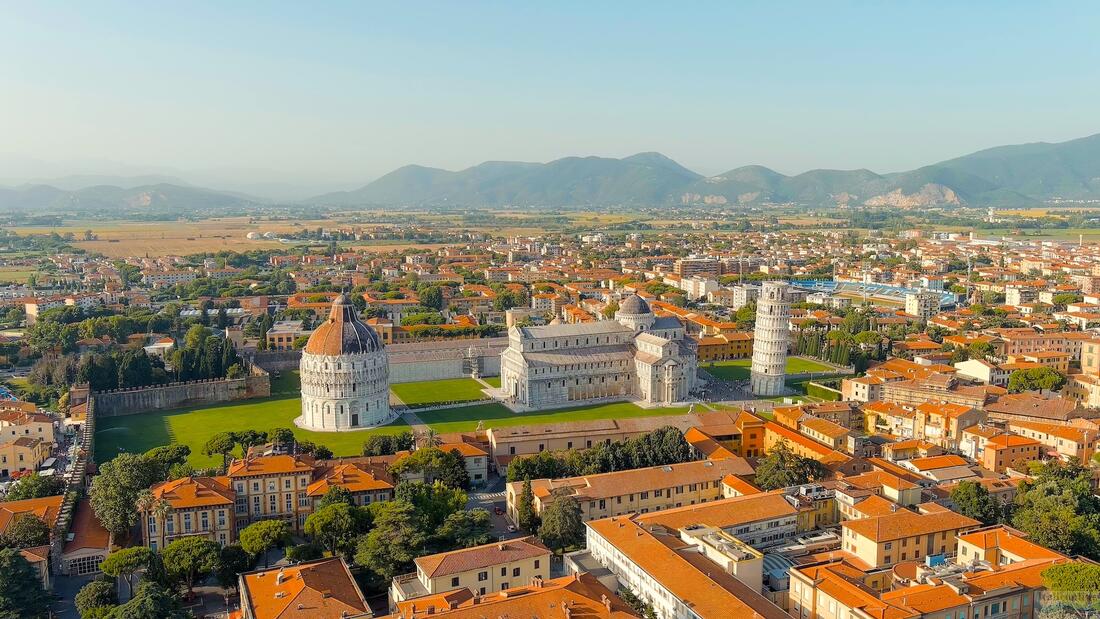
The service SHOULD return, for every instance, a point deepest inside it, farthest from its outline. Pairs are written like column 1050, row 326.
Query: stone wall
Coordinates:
column 119, row 402
column 281, row 360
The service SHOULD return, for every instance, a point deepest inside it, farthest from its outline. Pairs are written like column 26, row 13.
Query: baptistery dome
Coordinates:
column 345, row 374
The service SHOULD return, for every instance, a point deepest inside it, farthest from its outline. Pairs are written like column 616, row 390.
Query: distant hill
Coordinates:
column 160, row 197
column 1019, row 175
column 646, row 178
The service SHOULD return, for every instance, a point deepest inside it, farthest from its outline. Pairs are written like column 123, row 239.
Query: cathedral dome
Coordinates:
column 634, row 304
column 343, row 333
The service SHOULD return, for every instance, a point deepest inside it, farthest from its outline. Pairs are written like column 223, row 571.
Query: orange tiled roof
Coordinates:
column 189, row 492
column 45, row 509
column 488, row 555
column 319, row 589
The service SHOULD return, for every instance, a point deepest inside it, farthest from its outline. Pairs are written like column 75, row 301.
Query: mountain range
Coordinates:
column 1018, row 175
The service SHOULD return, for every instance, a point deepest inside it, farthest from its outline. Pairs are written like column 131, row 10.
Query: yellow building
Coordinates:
column 197, row 506
column 482, row 570
column 269, row 487
column 724, row 346
column 635, row 490
column 22, row 454
column 904, row 535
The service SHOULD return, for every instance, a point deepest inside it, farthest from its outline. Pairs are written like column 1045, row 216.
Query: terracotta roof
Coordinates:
column 343, row 333
column 932, row 463
column 322, row 589
column 189, row 492
column 580, row 596
column 352, row 477
column 1009, row 540
column 270, row 465
column 45, row 509
column 618, row 483
column 488, row 555
column 905, row 523
column 86, row 530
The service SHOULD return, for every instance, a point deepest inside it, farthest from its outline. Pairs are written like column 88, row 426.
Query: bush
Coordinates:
column 303, row 552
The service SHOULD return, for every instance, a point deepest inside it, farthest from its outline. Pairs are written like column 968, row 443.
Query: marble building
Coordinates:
column 637, row 356
column 345, row 374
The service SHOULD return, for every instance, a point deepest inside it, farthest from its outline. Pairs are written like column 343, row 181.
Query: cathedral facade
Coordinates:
column 345, row 374
column 635, row 356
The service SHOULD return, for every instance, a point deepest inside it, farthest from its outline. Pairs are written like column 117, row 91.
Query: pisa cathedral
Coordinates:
column 635, row 356
column 345, row 374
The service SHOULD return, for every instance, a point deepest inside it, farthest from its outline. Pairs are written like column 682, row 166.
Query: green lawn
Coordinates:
column 494, row 415
column 492, row 380
column 194, row 426
column 739, row 369
column 431, row 392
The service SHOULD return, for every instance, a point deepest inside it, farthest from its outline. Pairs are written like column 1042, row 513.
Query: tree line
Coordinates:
column 662, row 446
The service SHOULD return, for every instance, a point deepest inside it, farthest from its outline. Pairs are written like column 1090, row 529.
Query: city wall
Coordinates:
column 117, row 402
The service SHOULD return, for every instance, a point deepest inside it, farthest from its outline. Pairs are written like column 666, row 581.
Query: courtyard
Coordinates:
column 740, row 369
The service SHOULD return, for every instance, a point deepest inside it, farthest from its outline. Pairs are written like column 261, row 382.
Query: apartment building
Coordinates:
column 696, row 561
column 576, row 595
column 22, row 424
column 481, row 570
column 367, row 481
column 1009, row 450
column 321, row 589
column 635, row 490
column 1068, row 442
column 267, row 487
column 996, row 573
column 22, row 454
column 904, row 535
column 283, row 334
column 199, row 506
column 874, row 493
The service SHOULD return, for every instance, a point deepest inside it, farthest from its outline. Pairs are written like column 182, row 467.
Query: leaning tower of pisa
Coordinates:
column 769, row 347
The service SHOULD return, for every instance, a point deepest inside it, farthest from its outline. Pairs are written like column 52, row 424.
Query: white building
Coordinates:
column 924, row 304
column 697, row 287
column 744, row 294
column 770, row 340
column 345, row 374
column 635, row 356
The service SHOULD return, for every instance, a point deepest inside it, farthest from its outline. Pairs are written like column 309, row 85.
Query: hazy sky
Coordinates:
column 319, row 92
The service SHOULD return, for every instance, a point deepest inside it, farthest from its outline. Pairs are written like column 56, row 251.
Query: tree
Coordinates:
column 783, row 468
column 21, row 592
column 1073, row 585
column 35, row 486
column 447, row 467
column 386, row 445
column 126, row 562
column 281, row 437
column 115, row 490
column 1035, row 379
column 562, row 524
column 394, row 542
column 1057, row 509
column 95, row 599
column 304, row 552
column 464, row 529
column 26, row 531
column 191, row 558
column 163, row 458
column 433, row 502
column 232, row 560
column 259, row 537
column 973, row 500
column 336, row 494
column 322, row 452
column 336, row 527
column 526, row 517
column 221, row 444
column 151, row 600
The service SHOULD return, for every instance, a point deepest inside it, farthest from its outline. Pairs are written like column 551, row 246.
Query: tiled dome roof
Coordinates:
column 343, row 333
column 634, row 305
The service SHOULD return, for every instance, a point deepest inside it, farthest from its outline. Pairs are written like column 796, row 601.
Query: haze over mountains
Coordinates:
column 1019, row 175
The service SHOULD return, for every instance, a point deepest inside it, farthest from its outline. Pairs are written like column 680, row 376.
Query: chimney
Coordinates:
column 606, row 602
column 280, row 577
column 476, row 600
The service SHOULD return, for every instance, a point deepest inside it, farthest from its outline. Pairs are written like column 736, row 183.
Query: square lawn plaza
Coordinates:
column 194, row 426
column 740, row 369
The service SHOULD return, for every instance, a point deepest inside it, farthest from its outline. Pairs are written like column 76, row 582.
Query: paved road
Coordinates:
column 488, row 498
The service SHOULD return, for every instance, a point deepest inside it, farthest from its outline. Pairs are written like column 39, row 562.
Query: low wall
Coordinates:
column 120, row 402
column 416, row 361
column 281, row 360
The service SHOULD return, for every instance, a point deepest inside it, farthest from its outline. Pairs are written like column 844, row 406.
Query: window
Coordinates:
column 454, row 581
column 515, row 571
column 536, row 564
column 482, row 576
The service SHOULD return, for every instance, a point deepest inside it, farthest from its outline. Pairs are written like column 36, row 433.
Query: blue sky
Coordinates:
column 343, row 92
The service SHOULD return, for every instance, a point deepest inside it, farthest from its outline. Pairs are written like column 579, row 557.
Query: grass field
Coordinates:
column 431, row 392
column 193, row 427
column 16, row 275
column 495, row 415
column 738, row 369
column 493, row 380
